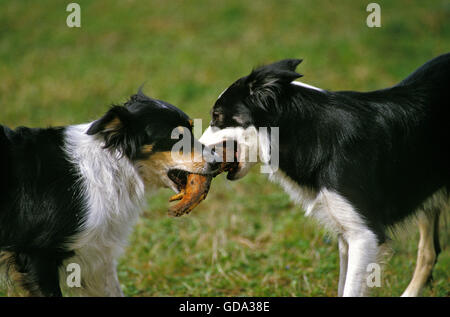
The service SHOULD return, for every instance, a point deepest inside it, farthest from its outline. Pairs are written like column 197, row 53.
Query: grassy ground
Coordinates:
column 246, row 239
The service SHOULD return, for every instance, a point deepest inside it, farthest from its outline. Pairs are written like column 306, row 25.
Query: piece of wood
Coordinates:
column 197, row 187
column 196, row 190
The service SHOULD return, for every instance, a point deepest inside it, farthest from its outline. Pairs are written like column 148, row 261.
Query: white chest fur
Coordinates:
column 113, row 190
column 328, row 207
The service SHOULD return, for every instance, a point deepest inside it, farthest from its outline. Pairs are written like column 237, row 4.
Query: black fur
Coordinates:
column 38, row 212
column 385, row 151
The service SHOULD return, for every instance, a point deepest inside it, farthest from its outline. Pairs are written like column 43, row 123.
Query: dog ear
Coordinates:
column 289, row 64
column 113, row 121
column 115, row 128
column 272, row 75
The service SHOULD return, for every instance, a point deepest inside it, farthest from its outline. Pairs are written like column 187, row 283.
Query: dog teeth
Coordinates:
column 178, row 196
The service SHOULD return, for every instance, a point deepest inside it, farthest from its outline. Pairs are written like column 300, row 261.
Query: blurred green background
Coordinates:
column 246, row 239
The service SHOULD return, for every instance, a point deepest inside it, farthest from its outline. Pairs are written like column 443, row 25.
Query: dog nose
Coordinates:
column 214, row 166
column 213, row 159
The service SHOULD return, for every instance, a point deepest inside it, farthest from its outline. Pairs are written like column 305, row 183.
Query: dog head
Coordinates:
column 147, row 132
column 246, row 106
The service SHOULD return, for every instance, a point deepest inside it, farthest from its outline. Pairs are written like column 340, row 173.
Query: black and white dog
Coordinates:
column 72, row 194
column 359, row 162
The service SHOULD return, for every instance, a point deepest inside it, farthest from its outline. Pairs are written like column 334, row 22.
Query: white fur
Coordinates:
column 247, row 140
column 254, row 146
column 329, row 207
column 114, row 194
column 358, row 244
column 343, row 263
column 305, row 197
column 298, row 83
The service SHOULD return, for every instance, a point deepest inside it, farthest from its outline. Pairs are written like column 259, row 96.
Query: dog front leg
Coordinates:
column 362, row 250
column 343, row 263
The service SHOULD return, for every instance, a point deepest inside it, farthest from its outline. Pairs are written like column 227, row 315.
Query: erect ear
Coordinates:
column 114, row 126
column 289, row 64
column 271, row 75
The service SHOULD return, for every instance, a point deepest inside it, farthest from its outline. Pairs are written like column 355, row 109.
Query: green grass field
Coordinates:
column 246, row 239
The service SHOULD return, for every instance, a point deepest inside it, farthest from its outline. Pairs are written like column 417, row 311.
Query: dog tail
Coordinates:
column 6, row 268
column 442, row 224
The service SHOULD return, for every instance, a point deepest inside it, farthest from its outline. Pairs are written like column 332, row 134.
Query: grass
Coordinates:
column 246, row 239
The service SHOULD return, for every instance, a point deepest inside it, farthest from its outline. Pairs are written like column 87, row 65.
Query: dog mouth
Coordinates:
column 192, row 188
column 179, row 178
column 233, row 169
column 233, row 166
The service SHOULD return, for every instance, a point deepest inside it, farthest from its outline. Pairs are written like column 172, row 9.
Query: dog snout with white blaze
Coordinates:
column 253, row 146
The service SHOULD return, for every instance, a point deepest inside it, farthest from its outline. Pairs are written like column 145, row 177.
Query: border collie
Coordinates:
column 72, row 194
column 360, row 162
